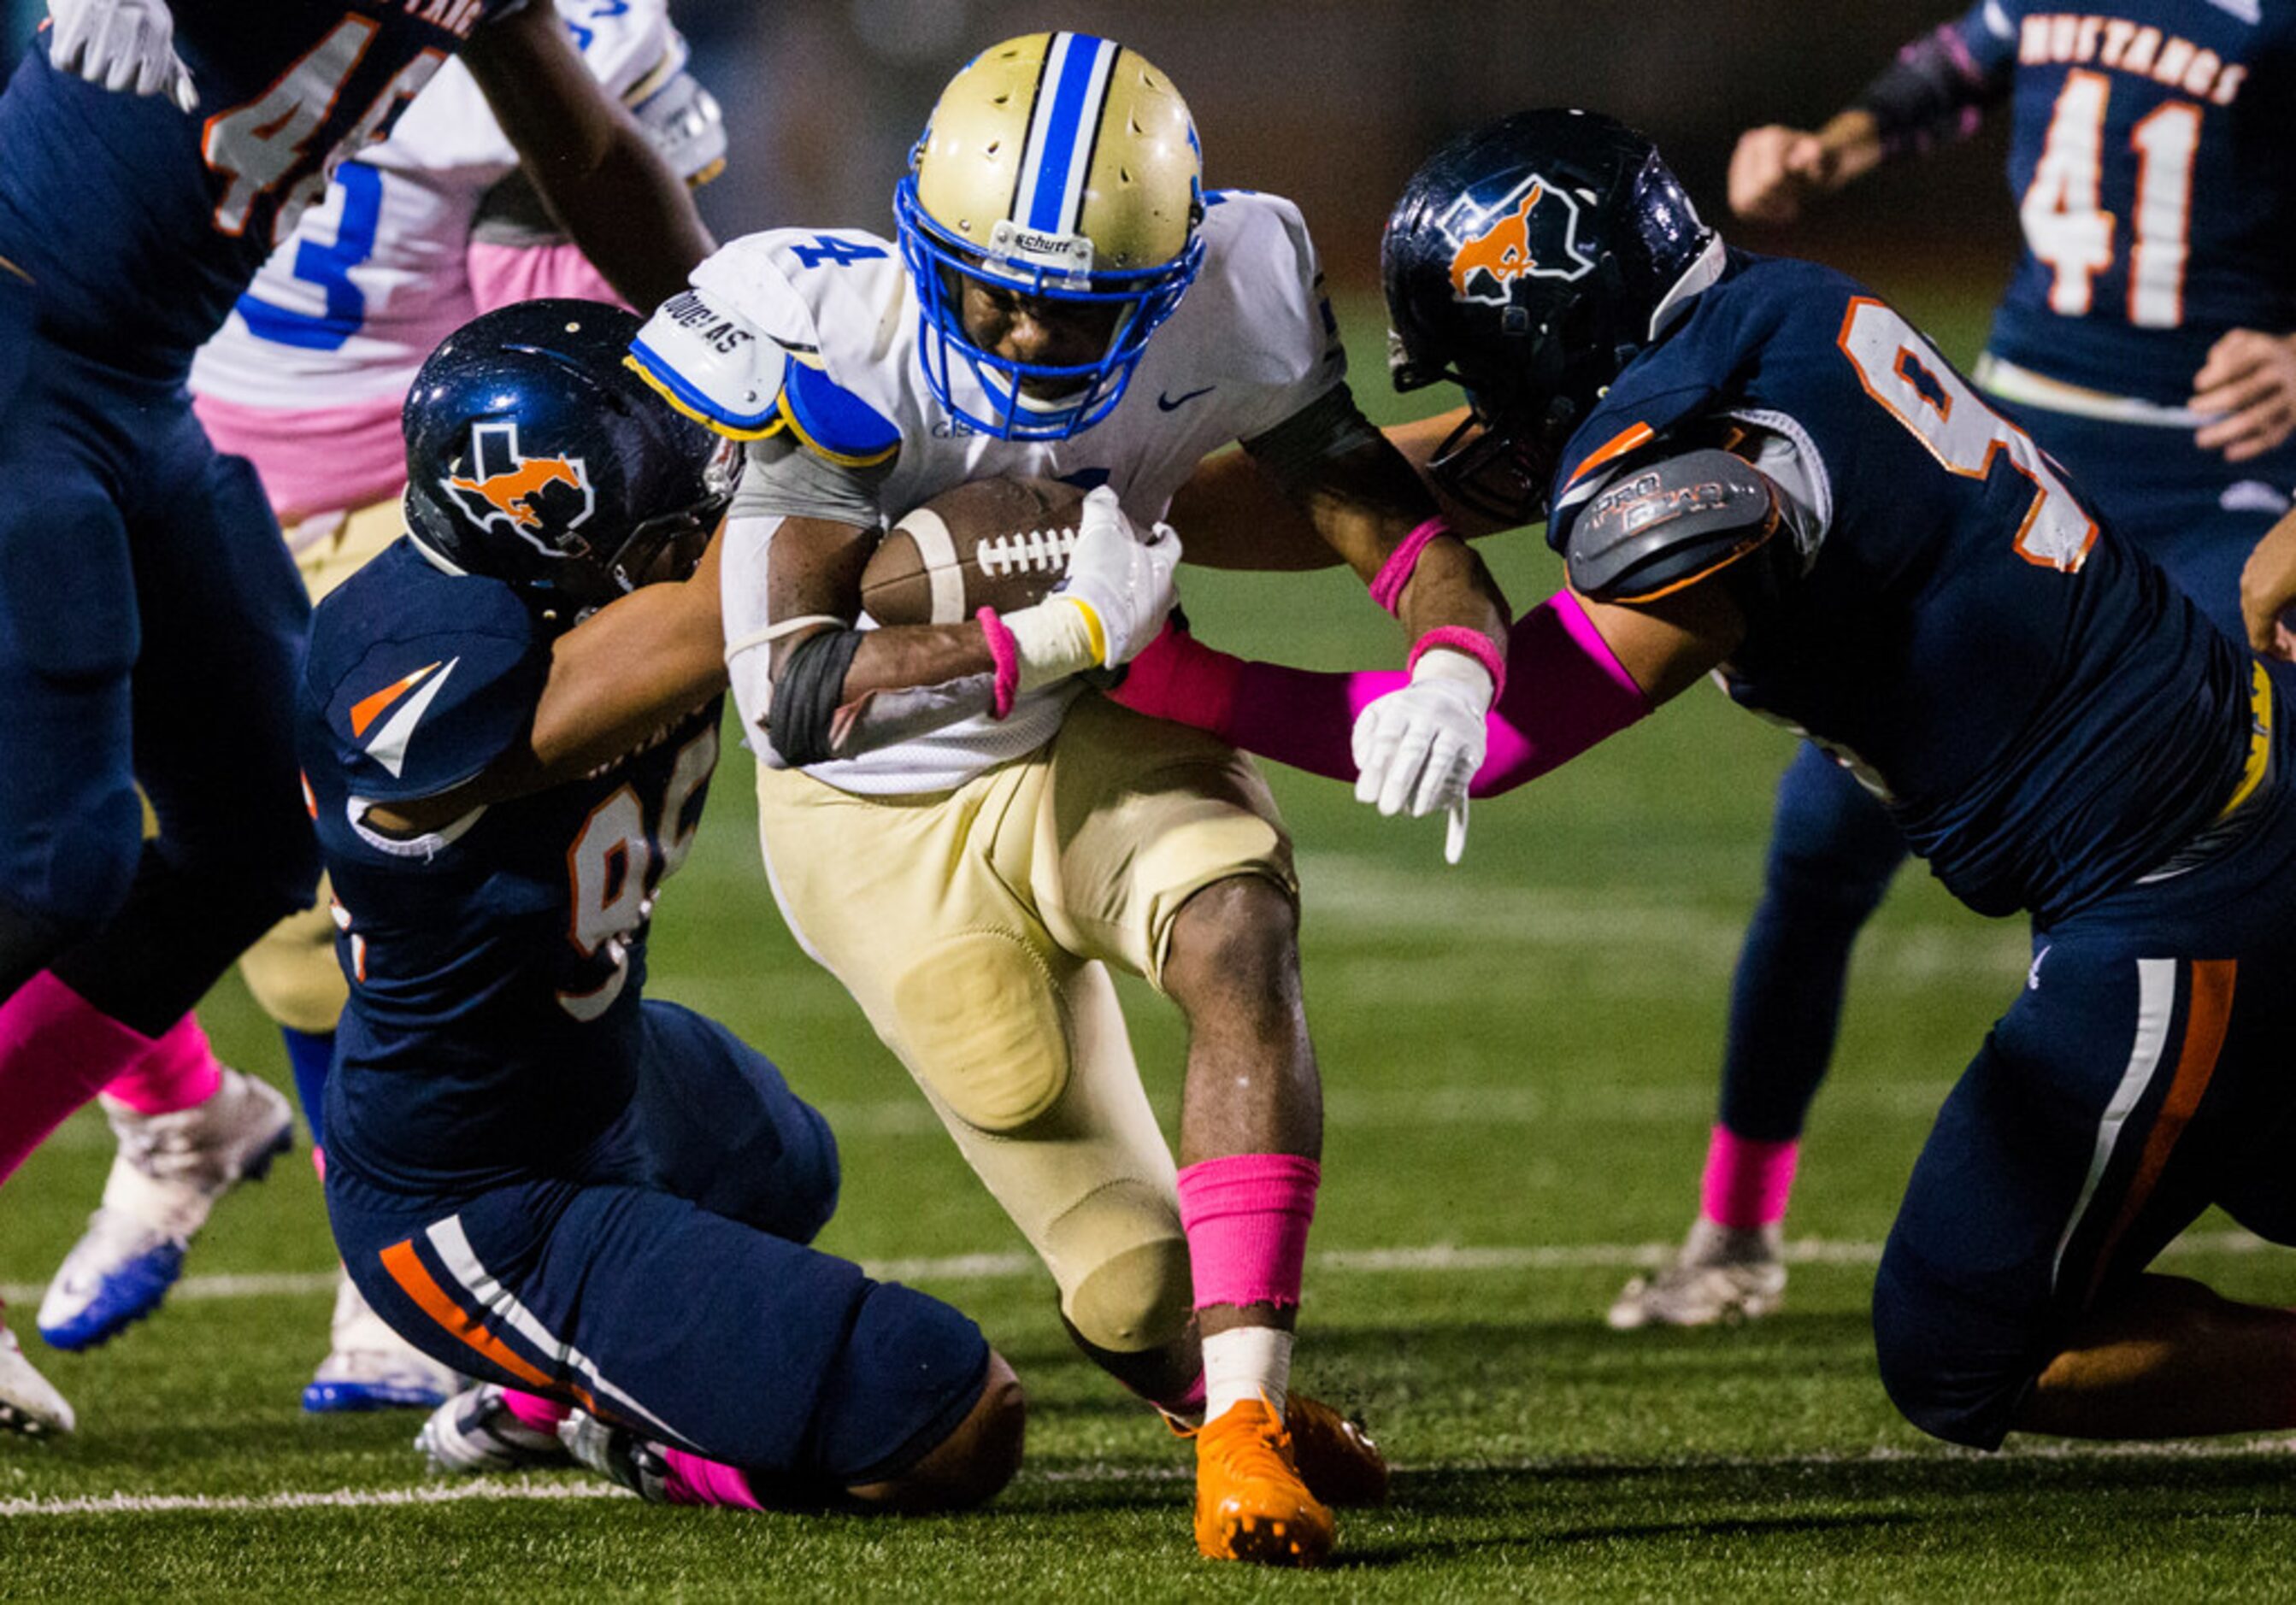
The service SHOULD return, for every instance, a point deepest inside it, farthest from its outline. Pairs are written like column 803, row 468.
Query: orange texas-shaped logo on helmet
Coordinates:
column 1531, row 231
column 541, row 500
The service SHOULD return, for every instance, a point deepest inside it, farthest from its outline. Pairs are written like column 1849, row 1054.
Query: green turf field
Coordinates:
column 1519, row 1056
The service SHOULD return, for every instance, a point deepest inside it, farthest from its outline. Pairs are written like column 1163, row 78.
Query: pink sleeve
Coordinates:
column 501, row 275
column 1565, row 691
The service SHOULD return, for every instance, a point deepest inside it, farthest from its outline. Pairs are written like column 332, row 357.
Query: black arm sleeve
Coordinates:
column 1932, row 93
column 805, row 697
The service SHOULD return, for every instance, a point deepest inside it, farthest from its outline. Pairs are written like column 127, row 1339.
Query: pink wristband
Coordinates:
column 1006, row 653
column 1387, row 585
column 1458, row 638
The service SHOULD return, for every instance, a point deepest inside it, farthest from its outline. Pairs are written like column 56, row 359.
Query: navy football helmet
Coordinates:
column 536, row 457
column 1528, row 262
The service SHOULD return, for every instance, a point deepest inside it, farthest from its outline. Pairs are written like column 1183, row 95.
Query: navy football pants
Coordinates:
column 658, row 1277
column 150, row 619
column 2142, row 1075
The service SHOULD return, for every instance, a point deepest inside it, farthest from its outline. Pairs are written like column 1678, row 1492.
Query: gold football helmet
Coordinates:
column 1062, row 168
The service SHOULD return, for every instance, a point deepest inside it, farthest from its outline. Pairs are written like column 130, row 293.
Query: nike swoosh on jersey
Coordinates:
column 389, row 747
column 1173, row 403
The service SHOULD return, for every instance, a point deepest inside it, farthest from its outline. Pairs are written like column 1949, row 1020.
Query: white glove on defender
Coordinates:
column 1416, row 750
column 1111, row 603
column 126, row 45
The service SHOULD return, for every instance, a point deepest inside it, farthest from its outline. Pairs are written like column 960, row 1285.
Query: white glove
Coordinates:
column 126, row 45
column 1111, row 603
column 1416, row 750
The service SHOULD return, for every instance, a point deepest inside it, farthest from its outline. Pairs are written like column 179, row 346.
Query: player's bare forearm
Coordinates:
column 815, row 572
column 1231, row 514
column 2267, row 592
column 1851, row 141
column 590, row 162
column 1669, row 643
column 626, row 671
column 901, row 656
column 1364, row 504
column 615, row 679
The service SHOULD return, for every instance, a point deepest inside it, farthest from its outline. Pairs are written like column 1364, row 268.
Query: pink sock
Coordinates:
column 57, row 1051
column 699, row 1481
column 532, row 1410
column 178, row 1071
column 1747, row 1183
column 1247, row 1216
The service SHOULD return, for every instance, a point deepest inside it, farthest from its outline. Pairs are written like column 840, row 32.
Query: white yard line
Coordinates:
column 489, row 1490
column 1430, row 1258
column 481, row 1490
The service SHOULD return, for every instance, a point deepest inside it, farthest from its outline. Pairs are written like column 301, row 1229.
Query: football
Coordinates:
column 999, row 544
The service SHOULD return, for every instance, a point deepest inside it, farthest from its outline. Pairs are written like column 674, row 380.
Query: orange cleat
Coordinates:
column 1336, row 1457
column 1250, row 1504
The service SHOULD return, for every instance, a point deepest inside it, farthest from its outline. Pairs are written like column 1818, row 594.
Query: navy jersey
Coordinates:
column 140, row 225
column 494, row 966
column 2152, row 155
column 2048, row 715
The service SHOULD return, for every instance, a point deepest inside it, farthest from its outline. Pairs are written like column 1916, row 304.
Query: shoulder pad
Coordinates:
column 711, row 363
column 835, row 423
column 413, row 712
column 1663, row 525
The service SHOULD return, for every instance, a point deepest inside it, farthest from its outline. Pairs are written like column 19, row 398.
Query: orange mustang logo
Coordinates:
column 1534, row 232
column 541, row 500
column 508, row 493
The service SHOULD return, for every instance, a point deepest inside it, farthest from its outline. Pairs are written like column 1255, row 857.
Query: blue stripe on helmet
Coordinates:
column 1079, row 54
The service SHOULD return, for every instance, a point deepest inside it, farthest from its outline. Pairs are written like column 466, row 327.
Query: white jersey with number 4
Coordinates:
column 1251, row 343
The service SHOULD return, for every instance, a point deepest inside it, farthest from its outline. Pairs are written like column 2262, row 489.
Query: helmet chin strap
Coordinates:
column 1695, row 278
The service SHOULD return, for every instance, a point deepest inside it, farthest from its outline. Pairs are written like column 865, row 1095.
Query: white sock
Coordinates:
column 1246, row 1362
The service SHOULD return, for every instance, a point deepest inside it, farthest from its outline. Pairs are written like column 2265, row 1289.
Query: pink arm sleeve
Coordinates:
column 501, row 275
column 1565, row 691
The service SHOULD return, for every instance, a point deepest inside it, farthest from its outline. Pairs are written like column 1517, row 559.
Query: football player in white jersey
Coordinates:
column 953, row 825
column 415, row 236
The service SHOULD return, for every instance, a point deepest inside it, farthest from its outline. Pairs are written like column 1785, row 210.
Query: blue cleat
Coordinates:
column 170, row 1171
column 371, row 1367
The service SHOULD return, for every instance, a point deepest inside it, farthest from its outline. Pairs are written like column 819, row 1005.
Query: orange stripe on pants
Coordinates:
column 415, row 1279
column 2207, row 1015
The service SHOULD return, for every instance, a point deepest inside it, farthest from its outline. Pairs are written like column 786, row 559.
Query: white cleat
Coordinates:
column 29, row 1403
column 166, row 1177
column 371, row 1367
column 1723, row 1276
column 474, row 1432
